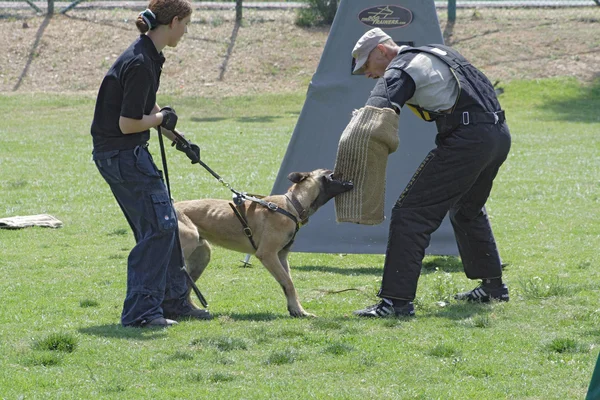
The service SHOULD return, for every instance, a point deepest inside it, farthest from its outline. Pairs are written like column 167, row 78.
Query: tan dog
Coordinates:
column 214, row 221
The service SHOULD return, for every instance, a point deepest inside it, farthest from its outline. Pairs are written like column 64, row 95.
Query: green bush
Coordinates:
column 318, row 12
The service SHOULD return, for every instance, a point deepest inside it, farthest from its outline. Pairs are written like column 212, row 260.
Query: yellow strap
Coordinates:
column 419, row 112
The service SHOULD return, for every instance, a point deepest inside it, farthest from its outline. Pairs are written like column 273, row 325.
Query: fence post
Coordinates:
column 238, row 11
column 50, row 7
column 451, row 10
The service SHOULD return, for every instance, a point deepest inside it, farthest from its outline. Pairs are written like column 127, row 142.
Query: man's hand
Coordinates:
column 169, row 118
column 191, row 150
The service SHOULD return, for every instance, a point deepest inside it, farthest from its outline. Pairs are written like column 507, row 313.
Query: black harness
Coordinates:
column 239, row 209
column 476, row 103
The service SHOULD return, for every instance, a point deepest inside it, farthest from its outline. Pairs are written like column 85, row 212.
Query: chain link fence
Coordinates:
column 451, row 6
column 529, row 39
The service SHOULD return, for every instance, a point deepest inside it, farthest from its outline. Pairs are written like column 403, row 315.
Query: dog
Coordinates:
column 272, row 225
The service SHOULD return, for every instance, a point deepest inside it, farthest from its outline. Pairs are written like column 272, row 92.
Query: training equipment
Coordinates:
column 369, row 138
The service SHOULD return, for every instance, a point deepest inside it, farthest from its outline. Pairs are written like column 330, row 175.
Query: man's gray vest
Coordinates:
column 476, row 102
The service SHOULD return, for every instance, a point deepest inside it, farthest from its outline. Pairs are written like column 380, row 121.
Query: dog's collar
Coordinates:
column 302, row 212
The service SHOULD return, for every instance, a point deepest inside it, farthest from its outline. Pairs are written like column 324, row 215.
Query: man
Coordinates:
column 473, row 141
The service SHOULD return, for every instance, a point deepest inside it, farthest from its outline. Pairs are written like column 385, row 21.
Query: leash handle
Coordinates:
column 163, row 157
column 177, row 241
column 179, row 138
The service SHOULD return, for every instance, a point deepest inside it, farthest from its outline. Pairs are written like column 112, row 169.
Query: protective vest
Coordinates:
column 476, row 94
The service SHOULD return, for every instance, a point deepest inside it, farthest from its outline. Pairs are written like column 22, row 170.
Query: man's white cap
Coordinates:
column 365, row 46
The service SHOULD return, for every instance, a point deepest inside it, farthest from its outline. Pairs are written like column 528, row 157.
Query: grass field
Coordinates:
column 61, row 290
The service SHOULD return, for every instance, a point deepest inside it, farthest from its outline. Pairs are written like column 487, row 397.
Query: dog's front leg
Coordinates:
column 273, row 263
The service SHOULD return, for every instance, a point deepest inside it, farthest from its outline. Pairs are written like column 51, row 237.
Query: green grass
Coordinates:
column 61, row 290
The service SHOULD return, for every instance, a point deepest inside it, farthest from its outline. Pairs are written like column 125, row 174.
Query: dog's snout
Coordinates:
column 338, row 179
column 335, row 177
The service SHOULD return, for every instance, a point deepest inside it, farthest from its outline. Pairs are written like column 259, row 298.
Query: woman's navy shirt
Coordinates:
column 129, row 90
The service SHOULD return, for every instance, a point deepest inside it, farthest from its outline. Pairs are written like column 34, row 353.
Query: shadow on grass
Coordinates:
column 255, row 119
column 580, row 108
column 264, row 316
column 262, row 118
column 119, row 331
column 208, row 119
column 443, row 264
column 460, row 311
column 593, row 332
column 340, row 270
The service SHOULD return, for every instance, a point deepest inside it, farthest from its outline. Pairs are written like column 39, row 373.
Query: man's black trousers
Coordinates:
column 456, row 178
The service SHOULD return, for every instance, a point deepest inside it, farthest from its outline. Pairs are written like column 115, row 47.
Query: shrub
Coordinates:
column 318, row 12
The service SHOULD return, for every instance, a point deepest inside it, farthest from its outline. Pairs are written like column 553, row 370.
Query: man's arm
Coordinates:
column 130, row 125
column 154, row 119
column 392, row 90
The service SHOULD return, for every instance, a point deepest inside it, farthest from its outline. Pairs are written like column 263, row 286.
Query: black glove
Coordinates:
column 191, row 150
column 169, row 118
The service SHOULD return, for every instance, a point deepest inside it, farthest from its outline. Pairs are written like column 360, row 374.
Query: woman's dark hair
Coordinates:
column 162, row 12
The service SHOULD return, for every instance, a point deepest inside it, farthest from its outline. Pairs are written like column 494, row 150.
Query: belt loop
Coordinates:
column 465, row 118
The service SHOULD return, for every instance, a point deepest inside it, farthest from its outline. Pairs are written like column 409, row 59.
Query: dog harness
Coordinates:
column 239, row 209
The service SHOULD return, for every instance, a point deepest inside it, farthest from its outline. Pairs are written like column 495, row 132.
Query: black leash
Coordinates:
column 239, row 197
column 177, row 241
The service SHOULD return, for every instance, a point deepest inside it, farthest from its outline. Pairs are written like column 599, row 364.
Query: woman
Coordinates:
column 125, row 111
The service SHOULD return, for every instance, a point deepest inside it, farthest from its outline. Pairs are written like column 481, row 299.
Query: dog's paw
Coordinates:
column 301, row 314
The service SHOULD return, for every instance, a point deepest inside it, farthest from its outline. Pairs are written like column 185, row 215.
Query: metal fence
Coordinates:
column 49, row 6
column 528, row 39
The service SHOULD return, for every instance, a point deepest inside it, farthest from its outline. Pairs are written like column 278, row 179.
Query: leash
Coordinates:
column 239, row 197
column 177, row 241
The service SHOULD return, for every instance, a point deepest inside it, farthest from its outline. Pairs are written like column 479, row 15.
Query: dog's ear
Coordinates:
column 297, row 177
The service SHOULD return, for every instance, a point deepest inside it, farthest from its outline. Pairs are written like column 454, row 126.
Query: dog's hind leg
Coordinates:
column 198, row 259
column 278, row 267
column 195, row 263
